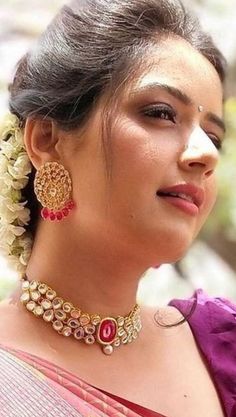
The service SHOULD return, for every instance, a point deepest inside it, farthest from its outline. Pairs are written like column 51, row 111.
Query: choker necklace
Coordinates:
column 67, row 320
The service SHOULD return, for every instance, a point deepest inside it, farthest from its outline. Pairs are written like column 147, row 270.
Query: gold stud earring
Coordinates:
column 53, row 187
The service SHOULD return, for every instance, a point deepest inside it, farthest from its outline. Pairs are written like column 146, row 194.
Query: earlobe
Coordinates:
column 40, row 138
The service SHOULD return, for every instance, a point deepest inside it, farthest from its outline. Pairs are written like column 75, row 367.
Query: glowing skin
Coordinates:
column 121, row 226
column 150, row 154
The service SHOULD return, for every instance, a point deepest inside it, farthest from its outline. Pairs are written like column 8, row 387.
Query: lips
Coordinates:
column 187, row 192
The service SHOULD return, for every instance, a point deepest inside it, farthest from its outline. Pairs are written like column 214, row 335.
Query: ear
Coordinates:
column 41, row 138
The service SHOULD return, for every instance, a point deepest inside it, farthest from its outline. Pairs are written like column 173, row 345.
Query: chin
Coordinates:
column 171, row 248
column 174, row 255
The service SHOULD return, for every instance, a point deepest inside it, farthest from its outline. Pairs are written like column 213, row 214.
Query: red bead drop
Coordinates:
column 70, row 205
column 59, row 215
column 65, row 212
column 52, row 216
column 45, row 213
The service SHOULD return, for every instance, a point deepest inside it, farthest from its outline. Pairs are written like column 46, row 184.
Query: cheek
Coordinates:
column 133, row 155
column 143, row 158
column 135, row 171
column 211, row 195
column 212, row 189
column 140, row 155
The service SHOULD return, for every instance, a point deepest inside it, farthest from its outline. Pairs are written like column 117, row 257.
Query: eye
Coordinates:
column 161, row 111
column 215, row 140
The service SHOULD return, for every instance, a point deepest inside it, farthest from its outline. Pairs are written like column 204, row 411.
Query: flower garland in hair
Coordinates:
column 15, row 242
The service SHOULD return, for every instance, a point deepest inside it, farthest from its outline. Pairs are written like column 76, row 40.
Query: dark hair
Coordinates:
column 93, row 47
column 186, row 316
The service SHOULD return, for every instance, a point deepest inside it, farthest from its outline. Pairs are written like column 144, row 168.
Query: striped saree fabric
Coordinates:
column 33, row 387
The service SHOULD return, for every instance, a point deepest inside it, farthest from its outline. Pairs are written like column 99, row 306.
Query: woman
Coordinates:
column 113, row 141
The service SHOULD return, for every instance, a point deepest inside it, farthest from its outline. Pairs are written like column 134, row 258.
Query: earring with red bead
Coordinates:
column 53, row 188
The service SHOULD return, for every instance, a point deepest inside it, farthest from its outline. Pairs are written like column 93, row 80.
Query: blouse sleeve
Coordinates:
column 213, row 324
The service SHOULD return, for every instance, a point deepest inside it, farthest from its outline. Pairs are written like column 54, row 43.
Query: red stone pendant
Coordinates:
column 107, row 331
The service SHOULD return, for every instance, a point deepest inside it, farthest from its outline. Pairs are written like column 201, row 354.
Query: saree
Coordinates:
column 33, row 387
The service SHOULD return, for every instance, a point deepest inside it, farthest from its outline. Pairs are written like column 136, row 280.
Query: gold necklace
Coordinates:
column 67, row 320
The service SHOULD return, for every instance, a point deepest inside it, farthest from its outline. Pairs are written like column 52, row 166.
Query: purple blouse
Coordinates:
column 213, row 325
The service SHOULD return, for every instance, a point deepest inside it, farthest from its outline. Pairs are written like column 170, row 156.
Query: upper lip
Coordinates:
column 196, row 193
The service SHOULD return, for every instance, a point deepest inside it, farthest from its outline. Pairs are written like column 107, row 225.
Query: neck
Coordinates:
column 95, row 278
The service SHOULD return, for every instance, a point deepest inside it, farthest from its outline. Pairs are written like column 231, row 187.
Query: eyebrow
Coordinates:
column 181, row 96
column 216, row 120
column 173, row 91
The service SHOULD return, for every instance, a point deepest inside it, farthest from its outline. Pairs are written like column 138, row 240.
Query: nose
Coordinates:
column 200, row 153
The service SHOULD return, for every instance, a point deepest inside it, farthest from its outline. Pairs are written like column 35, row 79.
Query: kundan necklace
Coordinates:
column 67, row 320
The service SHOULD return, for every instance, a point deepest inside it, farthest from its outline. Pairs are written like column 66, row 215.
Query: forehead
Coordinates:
column 176, row 63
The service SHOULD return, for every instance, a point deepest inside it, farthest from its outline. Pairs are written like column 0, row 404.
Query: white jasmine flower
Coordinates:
column 8, row 233
column 24, row 216
column 7, row 149
column 8, row 124
column 15, row 166
column 24, row 257
column 5, row 249
column 15, row 263
column 26, row 243
column 3, row 164
column 7, row 181
column 15, row 195
column 21, row 167
column 7, row 215
column 10, row 211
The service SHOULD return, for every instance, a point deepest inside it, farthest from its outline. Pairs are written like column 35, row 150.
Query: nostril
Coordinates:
column 209, row 173
column 206, row 171
column 193, row 164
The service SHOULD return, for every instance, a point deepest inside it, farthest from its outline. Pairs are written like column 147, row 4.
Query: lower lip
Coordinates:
column 184, row 205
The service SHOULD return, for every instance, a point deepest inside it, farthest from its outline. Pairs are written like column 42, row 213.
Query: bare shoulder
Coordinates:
column 17, row 329
column 9, row 320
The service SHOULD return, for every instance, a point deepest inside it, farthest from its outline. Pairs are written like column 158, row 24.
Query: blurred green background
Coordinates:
column 211, row 262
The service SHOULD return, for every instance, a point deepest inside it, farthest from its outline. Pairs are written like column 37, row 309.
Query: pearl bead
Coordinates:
column 107, row 350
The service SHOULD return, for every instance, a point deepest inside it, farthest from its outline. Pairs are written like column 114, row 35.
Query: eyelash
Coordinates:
column 216, row 141
column 158, row 111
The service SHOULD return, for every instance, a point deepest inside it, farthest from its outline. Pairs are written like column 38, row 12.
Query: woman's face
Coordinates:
column 165, row 142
